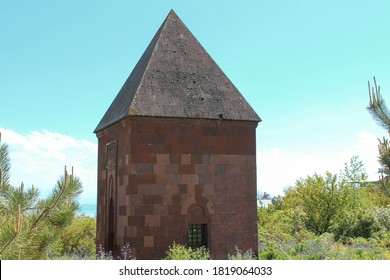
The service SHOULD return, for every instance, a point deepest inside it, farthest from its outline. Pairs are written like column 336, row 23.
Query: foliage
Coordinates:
column 240, row 255
column 354, row 173
column 382, row 214
column 381, row 114
column 327, row 217
column 324, row 247
column 361, row 223
column 321, row 199
column 78, row 238
column 377, row 106
column 180, row 252
column 126, row 253
column 5, row 164
column 372, row 195
column 101, row 254
column 31, row 225
column 333, row 217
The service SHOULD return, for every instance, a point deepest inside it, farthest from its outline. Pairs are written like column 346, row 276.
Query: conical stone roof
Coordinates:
column 176, row 77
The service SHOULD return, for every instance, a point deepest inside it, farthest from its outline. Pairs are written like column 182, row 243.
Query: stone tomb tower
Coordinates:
column 177, row 154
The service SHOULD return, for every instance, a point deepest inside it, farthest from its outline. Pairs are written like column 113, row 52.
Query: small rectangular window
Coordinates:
column 197, row 235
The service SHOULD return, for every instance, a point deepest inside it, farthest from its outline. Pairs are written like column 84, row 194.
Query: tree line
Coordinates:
column 333, row 216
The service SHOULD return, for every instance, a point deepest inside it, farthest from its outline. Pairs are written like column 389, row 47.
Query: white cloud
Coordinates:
column 278, row 168
column 39, row 158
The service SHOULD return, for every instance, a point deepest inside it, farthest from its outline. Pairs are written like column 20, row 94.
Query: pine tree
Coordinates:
column 30, row 224
column 381, row 114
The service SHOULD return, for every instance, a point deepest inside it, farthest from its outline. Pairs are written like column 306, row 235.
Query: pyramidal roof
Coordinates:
column 176, row 77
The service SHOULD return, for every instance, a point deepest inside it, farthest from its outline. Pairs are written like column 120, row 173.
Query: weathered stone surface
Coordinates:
column 176, row 77
column 218, row 177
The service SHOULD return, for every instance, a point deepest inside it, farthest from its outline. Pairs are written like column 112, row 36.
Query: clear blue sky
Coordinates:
column 302, row 65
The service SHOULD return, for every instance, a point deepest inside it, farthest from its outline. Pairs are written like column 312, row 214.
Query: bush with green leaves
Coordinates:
column 321, row 200
column 101, row 254
column 240, row 255
column 324, row 247
column 327, row 217
column 78, row 238
column 382, row 214
column 180, row 252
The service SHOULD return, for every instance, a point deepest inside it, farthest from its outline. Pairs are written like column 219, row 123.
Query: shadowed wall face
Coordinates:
column 181, row 180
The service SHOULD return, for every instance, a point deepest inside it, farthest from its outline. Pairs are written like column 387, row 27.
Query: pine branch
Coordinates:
column 50, row 207
column 377, row 106
column 5, row 164
column 66, row 191
column 17, row 229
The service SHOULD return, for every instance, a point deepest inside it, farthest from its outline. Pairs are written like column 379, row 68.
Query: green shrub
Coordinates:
column 78, row 238
column 273, row 251
column 180, row 252
column 101, row 254
column 383, row 216
column 240, row 255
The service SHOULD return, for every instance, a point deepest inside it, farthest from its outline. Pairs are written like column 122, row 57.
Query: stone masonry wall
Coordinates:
column 173, row 172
